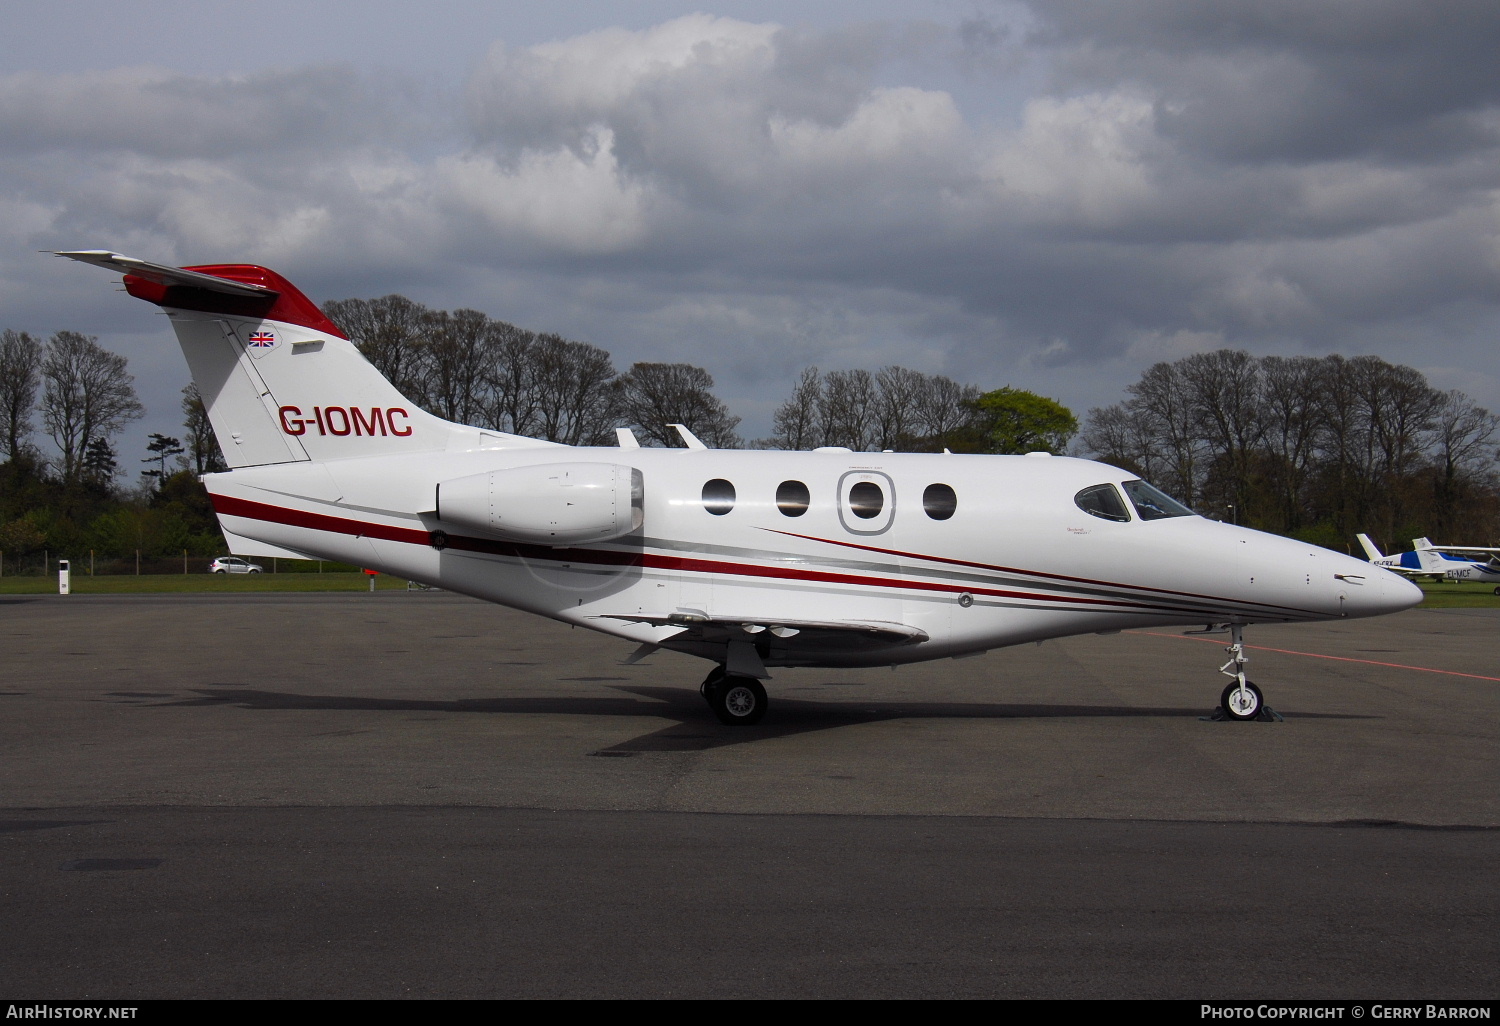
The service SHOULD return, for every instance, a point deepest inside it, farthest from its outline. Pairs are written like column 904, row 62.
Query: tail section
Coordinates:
column 1428, row 559
column 280, row 381
column 1371, row 552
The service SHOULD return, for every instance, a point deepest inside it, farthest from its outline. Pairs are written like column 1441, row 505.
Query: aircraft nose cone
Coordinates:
column 1399, row 592
column 1382, row 592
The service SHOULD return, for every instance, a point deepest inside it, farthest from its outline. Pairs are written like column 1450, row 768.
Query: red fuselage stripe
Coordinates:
column 1031, row 573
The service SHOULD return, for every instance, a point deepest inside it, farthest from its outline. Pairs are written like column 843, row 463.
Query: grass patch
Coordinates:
column 1458, row 595
column 155, row 584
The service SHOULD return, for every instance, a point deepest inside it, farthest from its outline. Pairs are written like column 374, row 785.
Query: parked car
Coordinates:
column 233, row 565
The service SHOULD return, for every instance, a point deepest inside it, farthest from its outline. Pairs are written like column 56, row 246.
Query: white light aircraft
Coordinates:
column 1448, row 562
column 749, row 559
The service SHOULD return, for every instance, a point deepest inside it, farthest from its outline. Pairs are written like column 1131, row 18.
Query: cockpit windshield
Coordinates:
column 1104, row 502
column 1151, row 503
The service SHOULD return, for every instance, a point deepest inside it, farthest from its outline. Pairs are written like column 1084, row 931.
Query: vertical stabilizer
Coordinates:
column 1427, row 559
column 278, row 392
column 1370, row 550
column 280, row 381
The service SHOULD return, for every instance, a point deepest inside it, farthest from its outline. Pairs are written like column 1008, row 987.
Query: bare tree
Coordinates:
column 575, row 391
column 1400, row 408
column 897, row 414
column 1289, row 389
column 390, row 332
column 1464, row 455
column 1118, row 434
column 847, row 415
column 88, row 397
column 20, row 376
column 656, row 395
column 895, row 408
column 945, row 409
column 457, row 363
column 515, row 403
column 204, row 454
column 1163, row 398
column 796, row 423
column 1223, row 389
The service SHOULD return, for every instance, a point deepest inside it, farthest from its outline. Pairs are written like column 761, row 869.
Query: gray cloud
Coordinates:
column 155, row 112
column 755, row 198
column 1268, row 80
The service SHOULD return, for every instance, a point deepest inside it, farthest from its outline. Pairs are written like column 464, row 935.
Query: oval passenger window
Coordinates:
column 718, row 496
column 1102, row 501
column 939, row 501
column 792, row 498
column 866, row 500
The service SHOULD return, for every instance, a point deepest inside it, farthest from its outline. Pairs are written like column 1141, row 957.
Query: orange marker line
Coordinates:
column 1318, row 655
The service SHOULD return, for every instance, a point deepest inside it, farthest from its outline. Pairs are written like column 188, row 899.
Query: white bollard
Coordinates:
column 62, row 577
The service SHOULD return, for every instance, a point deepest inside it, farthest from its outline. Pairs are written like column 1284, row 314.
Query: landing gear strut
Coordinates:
column 736, row 701
column 1241, row 700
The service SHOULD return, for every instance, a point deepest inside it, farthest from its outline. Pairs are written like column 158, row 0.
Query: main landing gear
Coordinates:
column 1241, row 699
column 736, row 701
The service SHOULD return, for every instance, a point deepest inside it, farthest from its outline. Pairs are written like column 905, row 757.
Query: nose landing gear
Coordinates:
column 737, row 701
column 1241, row 699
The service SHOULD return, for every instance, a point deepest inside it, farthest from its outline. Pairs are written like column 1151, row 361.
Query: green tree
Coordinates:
column 162, row 448
column 1013, row 420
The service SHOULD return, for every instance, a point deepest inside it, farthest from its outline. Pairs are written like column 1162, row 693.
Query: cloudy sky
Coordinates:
column 1051, row 194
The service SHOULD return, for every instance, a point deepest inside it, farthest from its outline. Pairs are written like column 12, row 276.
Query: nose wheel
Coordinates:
column 1241, row 699
column 736, row 701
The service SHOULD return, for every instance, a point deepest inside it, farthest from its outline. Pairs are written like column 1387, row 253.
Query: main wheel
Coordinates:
column 736, row 701
column 1241, row 705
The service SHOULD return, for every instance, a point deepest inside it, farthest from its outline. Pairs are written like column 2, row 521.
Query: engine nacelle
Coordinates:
column 552, row 504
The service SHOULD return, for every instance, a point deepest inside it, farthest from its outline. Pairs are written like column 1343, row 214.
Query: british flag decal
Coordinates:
column 262, row 340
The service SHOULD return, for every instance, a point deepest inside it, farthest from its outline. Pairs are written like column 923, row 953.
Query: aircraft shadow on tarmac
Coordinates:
column 695, row 728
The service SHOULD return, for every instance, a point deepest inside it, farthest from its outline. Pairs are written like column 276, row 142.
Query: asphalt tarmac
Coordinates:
column 390, row 794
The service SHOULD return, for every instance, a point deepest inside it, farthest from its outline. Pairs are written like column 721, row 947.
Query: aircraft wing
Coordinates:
column 1409, row 571
column 712, row 629
column 1460, row 548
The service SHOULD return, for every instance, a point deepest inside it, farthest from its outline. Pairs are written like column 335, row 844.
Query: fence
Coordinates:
column 44, row 563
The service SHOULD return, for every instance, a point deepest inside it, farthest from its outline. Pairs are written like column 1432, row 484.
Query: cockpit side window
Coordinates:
column 1102, row 501
column 1151, row 503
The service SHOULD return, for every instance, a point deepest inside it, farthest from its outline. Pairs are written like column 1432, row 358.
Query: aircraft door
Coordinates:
column 867, row 502
column 867, row 509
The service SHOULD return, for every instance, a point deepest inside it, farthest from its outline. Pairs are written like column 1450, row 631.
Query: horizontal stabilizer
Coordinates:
column 161, row 274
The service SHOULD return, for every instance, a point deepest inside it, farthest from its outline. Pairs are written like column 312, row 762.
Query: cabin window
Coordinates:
column 718, row 496
column 1152, row 503
column 1102, row 501
column 866, row 500
column 939, row 501
column 792, row 498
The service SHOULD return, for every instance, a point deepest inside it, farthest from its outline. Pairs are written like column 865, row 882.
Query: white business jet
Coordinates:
column 1447, row 562
column 750, row 559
